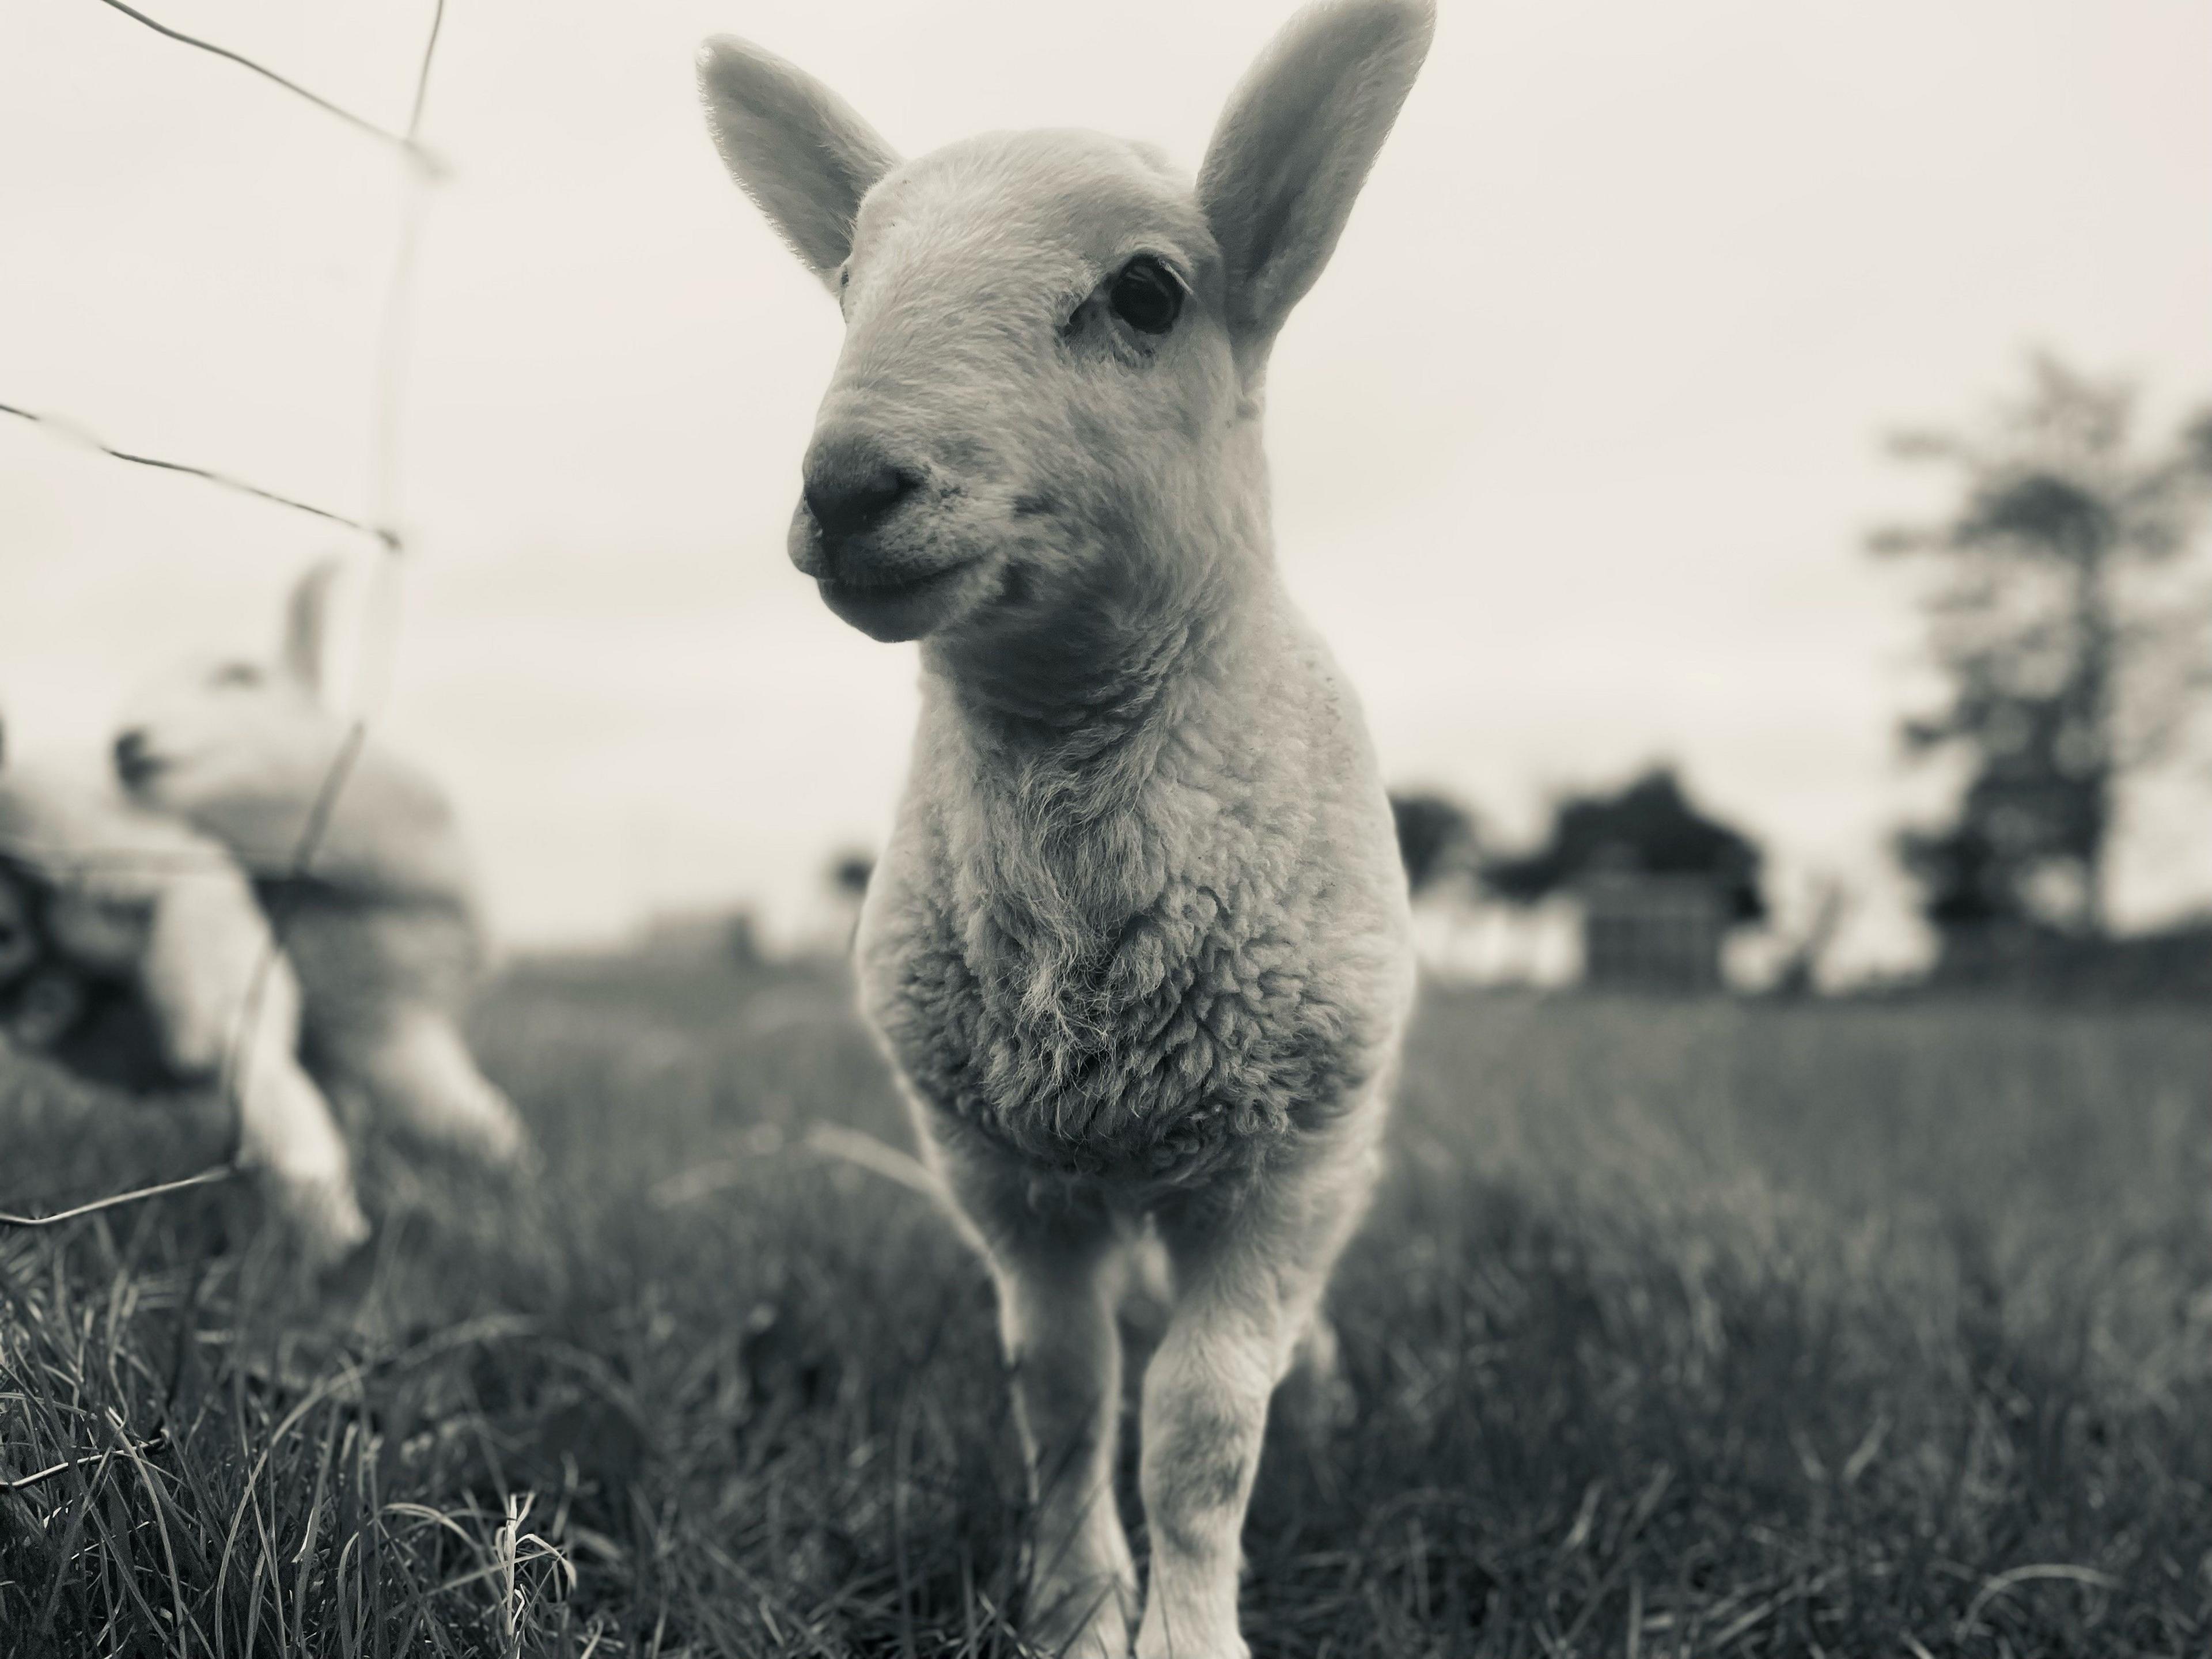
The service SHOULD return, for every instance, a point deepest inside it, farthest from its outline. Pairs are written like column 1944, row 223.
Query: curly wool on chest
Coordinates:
column 1180, row 1031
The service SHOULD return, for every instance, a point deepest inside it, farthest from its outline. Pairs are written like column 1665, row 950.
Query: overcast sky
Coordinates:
column 1575, row 443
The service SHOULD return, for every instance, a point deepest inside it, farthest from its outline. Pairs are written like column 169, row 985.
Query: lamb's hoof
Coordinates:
column 491, row 1133
column 517, row 1162
column 1184, row 1650
column 325, row 1218
column 1083, row 1618
column 1170, row 1639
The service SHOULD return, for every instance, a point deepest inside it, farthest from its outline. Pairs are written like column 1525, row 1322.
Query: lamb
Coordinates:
column 381, row 922
column 132, row 949
column 1139, row 948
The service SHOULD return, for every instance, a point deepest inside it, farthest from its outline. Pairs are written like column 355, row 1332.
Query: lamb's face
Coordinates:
column 1037, row 379
column 214, row 733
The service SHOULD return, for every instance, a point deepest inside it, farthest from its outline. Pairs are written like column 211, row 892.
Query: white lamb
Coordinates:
column 381, row 922
column 1140, row 943
column 134, row 951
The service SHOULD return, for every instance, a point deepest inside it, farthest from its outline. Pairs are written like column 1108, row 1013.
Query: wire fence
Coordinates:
column 378, row 641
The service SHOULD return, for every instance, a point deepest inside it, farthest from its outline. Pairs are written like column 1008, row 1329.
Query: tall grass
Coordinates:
column 1695, row 1329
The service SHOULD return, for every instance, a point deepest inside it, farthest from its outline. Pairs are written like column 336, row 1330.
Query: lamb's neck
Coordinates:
column 1088, row 709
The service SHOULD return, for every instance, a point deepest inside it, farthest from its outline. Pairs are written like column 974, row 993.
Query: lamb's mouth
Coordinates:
column 138, row 771
column 897, row 610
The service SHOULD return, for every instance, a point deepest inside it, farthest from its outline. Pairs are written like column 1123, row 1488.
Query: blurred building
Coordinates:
column 723, row 936
column 1648, row 931
column 1659, row 884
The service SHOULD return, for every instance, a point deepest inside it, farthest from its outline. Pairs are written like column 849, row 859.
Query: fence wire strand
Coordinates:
column 76, row 434
column 405, row 142
column 380, row 625
column 378, row 640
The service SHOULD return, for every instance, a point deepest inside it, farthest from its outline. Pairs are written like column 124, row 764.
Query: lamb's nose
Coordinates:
column 852, row 483
column 131, row 754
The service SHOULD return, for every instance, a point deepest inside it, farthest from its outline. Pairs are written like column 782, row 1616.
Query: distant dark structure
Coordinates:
column 2017, row 955
column 1660, row 883
column 1436, row 837
column 1650, row 932
column 850, row 872
column 728, row 937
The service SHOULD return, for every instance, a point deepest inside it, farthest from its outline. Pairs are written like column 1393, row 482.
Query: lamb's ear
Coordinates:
column 306, row 623
column 800, row 152
column 1294, row 146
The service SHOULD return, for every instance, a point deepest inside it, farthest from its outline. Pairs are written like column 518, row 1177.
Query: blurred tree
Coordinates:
column 1437, row 836
column 1648, row 828
column 2073, row 654
column 1798, row 973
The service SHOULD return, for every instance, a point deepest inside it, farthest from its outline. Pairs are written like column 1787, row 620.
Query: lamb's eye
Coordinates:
column 1145, row 295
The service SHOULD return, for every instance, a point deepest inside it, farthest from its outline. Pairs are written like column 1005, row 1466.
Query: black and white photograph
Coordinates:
column 1373, row 829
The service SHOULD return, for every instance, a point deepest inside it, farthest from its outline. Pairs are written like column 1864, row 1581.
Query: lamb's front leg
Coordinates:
column 224, row 999
column 1250, row 1280
column 1056, row 1317
column 1057, row 1282
column 416, row 1068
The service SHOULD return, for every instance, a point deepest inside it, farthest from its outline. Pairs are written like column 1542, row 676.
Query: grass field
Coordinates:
column 1697, row 1329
